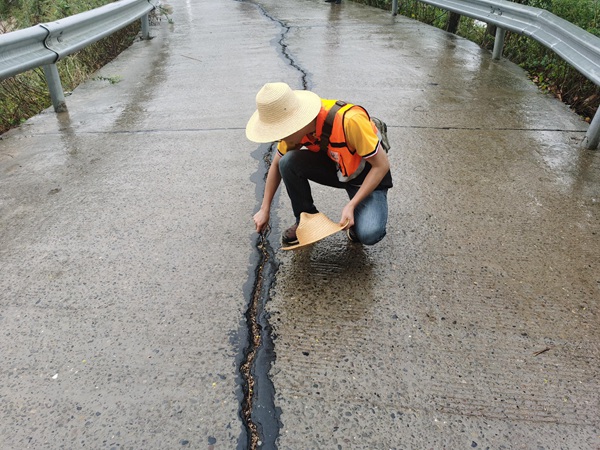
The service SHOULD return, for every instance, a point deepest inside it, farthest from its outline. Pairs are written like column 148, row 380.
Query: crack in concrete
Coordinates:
column 283, row 48
column 249, row 359
column 259, row 414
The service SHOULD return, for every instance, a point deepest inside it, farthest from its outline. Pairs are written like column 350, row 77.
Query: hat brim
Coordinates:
column 312, row 228
column 261, row 132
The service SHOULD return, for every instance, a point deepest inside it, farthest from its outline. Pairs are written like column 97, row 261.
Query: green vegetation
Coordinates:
column 544, row 67
column 27, row 13
column 26, row 94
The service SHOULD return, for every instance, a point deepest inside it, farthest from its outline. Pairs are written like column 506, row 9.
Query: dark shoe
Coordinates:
column 289, row 236
column 351, row 235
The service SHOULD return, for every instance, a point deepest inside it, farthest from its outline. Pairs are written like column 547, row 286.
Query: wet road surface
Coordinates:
column 131, row 275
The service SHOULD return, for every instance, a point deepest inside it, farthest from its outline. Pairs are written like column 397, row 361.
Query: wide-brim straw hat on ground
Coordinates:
column 313, row 228
column 281, row 112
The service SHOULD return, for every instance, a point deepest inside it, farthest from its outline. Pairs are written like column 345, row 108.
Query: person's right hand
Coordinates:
column 261, row 220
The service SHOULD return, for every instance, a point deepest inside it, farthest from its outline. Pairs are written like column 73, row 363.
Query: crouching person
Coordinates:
column 329, row 142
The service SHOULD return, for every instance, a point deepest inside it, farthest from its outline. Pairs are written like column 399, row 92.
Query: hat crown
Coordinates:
column 276, row 101
column 280, row 112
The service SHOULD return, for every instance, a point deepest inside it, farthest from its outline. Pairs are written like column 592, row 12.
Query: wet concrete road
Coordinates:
column 129, row 262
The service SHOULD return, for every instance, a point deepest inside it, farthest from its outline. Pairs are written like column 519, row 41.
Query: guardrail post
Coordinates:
column 394, row 7
column 498, row 43
column 56, row 92
column 145, row 26
column 592, row 137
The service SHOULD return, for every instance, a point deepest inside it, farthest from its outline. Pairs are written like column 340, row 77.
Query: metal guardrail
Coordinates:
column 576, row 46
column 45, row 44
column 23, row 50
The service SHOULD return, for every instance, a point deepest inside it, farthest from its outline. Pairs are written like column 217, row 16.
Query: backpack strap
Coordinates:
column 328, row 124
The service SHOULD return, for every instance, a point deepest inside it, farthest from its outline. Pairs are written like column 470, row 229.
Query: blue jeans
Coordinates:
column 297, row 167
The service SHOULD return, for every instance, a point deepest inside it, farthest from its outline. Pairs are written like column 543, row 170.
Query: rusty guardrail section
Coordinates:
column 43, row 45
column 576, row 46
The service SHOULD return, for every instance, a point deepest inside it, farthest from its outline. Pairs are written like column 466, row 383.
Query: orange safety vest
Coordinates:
column 350, row 164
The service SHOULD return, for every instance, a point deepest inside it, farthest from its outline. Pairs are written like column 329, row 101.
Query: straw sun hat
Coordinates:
column 281, row 112
column 313, row 228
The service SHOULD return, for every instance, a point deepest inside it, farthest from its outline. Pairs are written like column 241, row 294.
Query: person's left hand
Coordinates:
column 347, row 219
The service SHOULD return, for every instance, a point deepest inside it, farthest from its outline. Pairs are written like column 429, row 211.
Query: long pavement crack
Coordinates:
column 283, row 48
column 258, row 412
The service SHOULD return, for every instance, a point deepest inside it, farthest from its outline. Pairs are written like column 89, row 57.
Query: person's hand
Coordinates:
column 347, row 219
column 261, row 220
